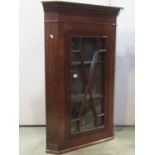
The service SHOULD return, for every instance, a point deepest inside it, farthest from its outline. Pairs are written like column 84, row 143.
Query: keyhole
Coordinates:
column 51, row 35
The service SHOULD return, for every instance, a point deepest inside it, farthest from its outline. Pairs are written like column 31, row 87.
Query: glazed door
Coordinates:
column 87, row 101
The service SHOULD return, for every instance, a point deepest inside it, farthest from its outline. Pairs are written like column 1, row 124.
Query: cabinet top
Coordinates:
column 60, row 6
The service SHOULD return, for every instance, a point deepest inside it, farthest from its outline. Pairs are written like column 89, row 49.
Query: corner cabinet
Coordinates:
column 79, row 68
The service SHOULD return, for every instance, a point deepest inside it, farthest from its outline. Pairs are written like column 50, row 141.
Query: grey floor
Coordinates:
column 32, row 142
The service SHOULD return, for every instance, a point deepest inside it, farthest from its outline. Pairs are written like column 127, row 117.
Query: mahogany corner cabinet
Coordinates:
column 79, row 71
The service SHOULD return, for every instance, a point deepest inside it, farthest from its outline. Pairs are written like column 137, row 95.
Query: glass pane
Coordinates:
column 86, row 83
column 74, row 127
column 87, row 120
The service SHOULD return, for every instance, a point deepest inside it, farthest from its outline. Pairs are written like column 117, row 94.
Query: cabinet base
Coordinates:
column 78, row 147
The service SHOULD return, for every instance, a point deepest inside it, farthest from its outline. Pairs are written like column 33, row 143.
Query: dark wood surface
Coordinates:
column 62, row 20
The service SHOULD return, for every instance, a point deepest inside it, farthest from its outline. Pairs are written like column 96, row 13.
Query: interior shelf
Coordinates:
column 78, row 51
column 100, row 115
column 78, row 97
column 85, row 130
column 85, row 62
column 77, row 119
column 75, row 51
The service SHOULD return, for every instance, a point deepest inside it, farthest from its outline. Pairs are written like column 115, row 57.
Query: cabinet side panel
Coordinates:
column 111, row 78
column 61, row 85
column 51, row 39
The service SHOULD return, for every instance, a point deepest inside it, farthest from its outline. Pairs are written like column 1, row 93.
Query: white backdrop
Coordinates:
column 32, row 80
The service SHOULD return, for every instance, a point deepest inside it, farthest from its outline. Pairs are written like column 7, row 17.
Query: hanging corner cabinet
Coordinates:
column 79, row 70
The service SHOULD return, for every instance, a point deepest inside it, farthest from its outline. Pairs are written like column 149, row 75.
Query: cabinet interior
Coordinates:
column 86, row 94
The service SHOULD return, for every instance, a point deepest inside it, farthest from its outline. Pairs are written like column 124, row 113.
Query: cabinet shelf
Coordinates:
column 78, row 119
column 85, row 63
column 78, row 97
column 75, row 51
column 100, row 115
column 78, row 51
column 85, row 130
